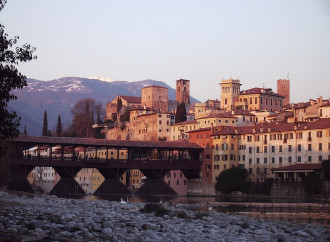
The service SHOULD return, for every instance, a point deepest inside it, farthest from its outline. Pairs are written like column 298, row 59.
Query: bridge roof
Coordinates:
column 89, row 142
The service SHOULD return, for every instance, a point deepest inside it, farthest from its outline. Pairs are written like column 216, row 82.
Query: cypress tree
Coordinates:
column 180, row 115
column 59, row 126
column 45, row 125
column 119, row 104
column 25, row 131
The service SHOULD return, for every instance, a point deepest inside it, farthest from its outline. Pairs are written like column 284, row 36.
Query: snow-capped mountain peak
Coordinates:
column 101, row 78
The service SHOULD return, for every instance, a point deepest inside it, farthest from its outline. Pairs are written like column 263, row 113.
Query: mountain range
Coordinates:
column 58, row 97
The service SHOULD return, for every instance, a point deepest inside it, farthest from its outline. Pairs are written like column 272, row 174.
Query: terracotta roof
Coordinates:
column 199, row 130
column 185, row 122
column 301, row 105
column 282, row 127
column 225, row 130
column 69, row 141
column 258, row 90
column 242, row 112
column 156, row 86
column 219, row 115
column 131, row 99
column 325, row 105
column 305, row 166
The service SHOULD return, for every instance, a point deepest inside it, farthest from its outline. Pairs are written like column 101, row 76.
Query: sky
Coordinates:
column 202, row 41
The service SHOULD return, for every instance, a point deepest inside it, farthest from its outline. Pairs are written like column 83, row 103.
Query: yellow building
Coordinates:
column 225, row 150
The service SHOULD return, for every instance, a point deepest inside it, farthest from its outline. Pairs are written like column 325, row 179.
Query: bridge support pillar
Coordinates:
column 67, row 185
column 19, row 181
column 155, row 184
column 112, row 184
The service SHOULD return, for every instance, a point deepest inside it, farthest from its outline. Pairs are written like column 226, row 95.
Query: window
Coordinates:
column 290, row 159
column 290, row 148
column 257, row 149
column 224, row 157
column 299, row 158
column 265, row 149
column 232, row 146
column 299, row 147
column 265, row 170
column 250, row 171
column 265, row 160
column 280, row 159
column 280, row 148
column 320, row 146
column 250, row 160
column 320, row 158
column 224, row 167
column 319, row 134
column 309, row 147
column 243, row 157
column 258, row 160
column 250, row 150
column 249, row 139
column 309, row 158
column 273, row 149
column 185, row 182
column 177, row 182
column 273, row 160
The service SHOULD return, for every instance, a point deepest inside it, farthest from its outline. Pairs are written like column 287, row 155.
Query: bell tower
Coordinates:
column 229, row 90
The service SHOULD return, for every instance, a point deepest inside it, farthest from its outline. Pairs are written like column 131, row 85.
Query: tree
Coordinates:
column 180, row 115
column 233, row 179
column 326, row 169
column 11, row 79
column 45, row 125
column 313, row 184
column 59, row 126
column 83, row 113
column 119, row 104
column 25, row 131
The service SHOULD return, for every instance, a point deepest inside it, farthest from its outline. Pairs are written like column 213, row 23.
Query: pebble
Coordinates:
column 44, row 217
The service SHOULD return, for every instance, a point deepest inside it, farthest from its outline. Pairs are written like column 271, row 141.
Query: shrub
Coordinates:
column 326, row 169
column 313, row 184
column 233, row 179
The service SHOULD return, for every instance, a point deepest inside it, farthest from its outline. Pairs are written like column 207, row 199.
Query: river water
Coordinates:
column 293, row 210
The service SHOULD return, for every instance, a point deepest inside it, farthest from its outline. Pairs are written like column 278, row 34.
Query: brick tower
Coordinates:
column 283, row 88
column 155, row 97
column 183, row 91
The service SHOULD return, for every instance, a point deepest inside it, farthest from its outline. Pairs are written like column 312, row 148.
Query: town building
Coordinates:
column 260, row 99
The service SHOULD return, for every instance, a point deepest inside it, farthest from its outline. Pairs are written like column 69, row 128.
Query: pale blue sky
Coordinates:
column 202, row 41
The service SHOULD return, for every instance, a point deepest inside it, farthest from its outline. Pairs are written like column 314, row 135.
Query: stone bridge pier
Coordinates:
column 67, row 183
column 112, row 184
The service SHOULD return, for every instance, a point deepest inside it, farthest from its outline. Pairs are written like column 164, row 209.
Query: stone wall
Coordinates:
column 196, row 187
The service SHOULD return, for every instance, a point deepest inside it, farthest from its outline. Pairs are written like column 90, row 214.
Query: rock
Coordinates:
column 107, row 231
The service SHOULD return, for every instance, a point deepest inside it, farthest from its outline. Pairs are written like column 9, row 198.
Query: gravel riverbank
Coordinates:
column 48, row 218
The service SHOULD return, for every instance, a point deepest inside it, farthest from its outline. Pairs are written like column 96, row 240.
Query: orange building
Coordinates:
column 202, row 137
